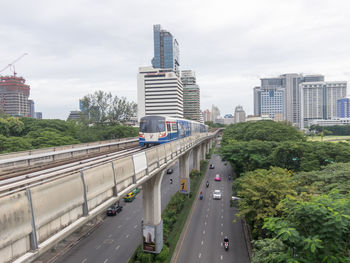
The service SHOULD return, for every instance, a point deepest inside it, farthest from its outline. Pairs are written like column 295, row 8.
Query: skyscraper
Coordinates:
column 239, row 114
column 159, row 92
column 14, row 95
column 343, row 108
column 319, row 100
column 191, row 95
column 166, row 50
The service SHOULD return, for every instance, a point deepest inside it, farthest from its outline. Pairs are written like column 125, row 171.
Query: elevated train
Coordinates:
column 158, row 129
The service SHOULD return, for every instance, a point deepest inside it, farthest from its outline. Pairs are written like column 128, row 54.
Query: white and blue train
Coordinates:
column 158, row 129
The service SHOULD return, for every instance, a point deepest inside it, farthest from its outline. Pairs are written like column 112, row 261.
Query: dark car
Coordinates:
column 170, row 171
column 114, row 209
column 211, row 166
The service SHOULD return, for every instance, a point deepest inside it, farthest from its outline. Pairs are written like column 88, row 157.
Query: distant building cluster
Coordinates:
column 301, row 100
column 14, row 98
column 161, row 88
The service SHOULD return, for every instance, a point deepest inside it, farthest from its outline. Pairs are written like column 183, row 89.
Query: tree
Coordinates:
column 101, row 107
column 260, row 192
column 314, row 230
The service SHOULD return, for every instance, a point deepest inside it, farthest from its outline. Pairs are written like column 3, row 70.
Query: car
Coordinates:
column 129, row 197
column 136, row 191
column 170, row 171
column 211, row 166
column 217, row 177
column 217, row 194
column 114, row 209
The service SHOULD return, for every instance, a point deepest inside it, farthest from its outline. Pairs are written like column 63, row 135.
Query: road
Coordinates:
column 211, row 221
column 116, row 239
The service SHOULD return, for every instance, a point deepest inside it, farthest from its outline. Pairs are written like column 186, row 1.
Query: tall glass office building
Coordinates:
column 166, row 50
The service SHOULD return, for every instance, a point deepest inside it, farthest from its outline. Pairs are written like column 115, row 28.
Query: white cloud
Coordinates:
column 77, row 47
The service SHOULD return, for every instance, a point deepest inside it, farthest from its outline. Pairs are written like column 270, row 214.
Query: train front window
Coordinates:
column 152, row 124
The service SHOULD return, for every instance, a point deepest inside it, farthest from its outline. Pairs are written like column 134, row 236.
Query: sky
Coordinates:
column 78, row 47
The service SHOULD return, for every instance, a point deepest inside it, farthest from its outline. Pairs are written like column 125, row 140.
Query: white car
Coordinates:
column 217, row 194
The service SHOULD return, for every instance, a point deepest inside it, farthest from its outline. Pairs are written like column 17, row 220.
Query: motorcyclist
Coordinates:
column 171, row 180
column 207, row 183
column 226, row 244
column 201, row 195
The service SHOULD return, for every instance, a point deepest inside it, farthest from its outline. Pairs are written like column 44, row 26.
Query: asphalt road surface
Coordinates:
column 211, row 221
column 118, row 237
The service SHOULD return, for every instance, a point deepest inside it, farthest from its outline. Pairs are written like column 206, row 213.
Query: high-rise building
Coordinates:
column 31, row 109
column 14, row 95
column 207, row 115
column 343, row 108
column 257, row 101
column 215, row 113
column 272, row 95
column 319, row 100
column 159, row 92
column 239, row 114
column 191, row 95
column 38, row 115
column 166, row 50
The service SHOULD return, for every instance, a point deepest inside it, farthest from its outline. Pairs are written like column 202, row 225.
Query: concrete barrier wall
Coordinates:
column 124, row 171
column 56, row 204
column 15, row 225
column 98, row 180
column 152, row 159
column 161, row 154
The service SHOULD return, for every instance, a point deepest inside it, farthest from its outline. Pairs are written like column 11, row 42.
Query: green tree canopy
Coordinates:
column 260, row 192
column 265, row 130
column 315, row 230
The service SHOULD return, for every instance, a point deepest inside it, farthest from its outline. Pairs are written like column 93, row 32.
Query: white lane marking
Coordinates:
column 105, row 260
column 117, row 247
column 200, row 254
column 221, row 257
column 222, row 217
column 110, row 235
column 222, row 224
column 202, row 243
column 135, row 226
column 127, row 235
column 120, row 226
column 205, row 223
column 98, row 247
column 208, row 209
column 203, row 232
column 206, row 216
column 222, row 210
column 222, row 233
column 85, row 259
column 221, row 244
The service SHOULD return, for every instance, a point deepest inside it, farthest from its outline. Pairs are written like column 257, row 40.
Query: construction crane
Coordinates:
column 12, row 64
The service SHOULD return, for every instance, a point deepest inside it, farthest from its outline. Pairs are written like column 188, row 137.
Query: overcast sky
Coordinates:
column 77, row 47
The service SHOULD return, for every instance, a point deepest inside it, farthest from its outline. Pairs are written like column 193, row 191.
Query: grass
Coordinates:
column 336, row 138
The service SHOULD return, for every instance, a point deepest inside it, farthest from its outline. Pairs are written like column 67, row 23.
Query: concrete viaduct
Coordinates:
column 36, row 217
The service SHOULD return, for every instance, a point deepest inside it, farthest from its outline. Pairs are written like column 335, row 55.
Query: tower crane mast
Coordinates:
column 12, row 64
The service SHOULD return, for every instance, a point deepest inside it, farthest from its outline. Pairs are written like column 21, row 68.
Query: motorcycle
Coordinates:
column 226, row 245
column 207, row 184
column 201, row 196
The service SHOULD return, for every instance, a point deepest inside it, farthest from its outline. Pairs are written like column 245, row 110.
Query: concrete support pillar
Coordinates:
column 197, row 158
column 184, row 165
column 203, row 151
column 207, row 148
column 152, row 221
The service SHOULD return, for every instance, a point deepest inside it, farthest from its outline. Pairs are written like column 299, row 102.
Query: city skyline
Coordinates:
column 77, row 49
